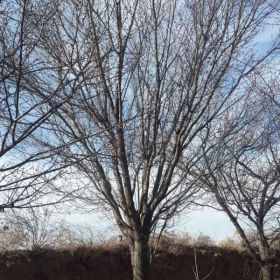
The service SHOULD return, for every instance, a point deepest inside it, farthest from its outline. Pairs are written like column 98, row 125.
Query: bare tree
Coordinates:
column 242, row 169
column 155, row 75
column 29, row 95
column 35, row 228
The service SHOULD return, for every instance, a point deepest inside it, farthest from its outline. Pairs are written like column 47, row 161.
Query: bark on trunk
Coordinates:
column 266, row 272
column 140, row 260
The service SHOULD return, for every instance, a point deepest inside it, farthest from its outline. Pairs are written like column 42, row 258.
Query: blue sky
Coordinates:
column 207, row 221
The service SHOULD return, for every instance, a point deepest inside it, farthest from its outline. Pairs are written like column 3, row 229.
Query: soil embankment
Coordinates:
column 114, row 264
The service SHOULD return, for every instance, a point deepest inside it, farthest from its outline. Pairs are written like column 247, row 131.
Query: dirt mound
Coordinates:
column 114, row 264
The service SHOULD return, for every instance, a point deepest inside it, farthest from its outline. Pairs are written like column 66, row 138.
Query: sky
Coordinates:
column 206, row 221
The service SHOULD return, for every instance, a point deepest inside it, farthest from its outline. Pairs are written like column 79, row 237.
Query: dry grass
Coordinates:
column 232, row 244
column 66, row 236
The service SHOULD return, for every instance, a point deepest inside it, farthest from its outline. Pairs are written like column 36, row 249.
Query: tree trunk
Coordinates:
column 140, row 259
column 266, row 272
